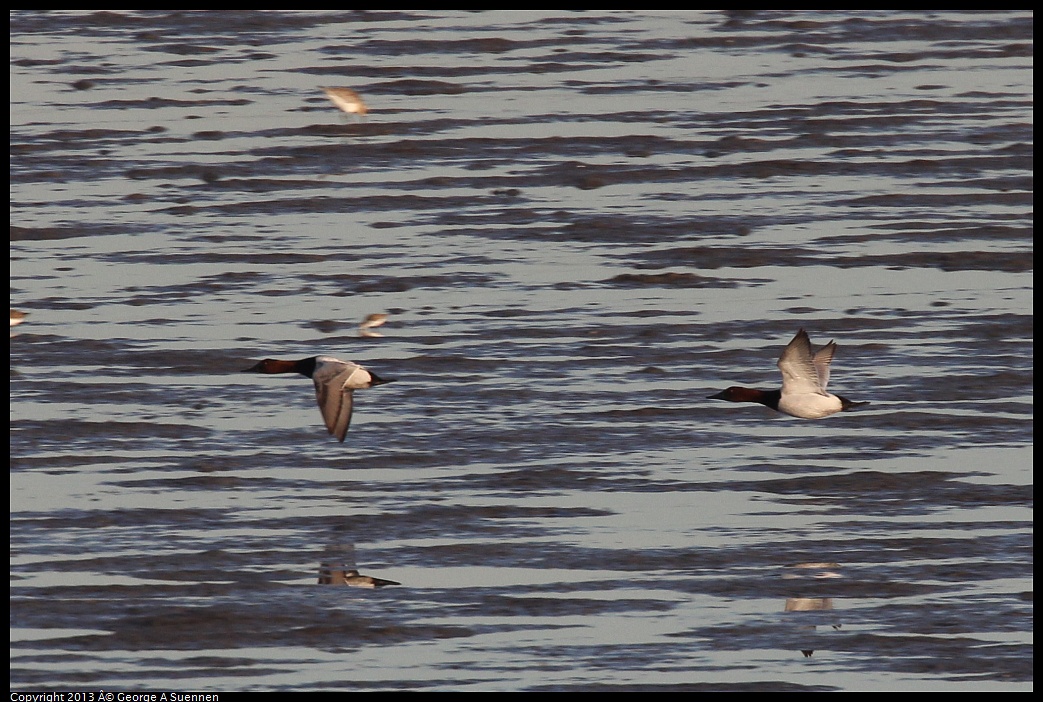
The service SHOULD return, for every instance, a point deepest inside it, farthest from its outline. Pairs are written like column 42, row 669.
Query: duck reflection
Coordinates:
column 813, row 611
column 338, row 568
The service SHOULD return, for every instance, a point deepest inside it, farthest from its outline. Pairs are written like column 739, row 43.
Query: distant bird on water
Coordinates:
column 347, row 100
column 17, row 318
column 373, row 320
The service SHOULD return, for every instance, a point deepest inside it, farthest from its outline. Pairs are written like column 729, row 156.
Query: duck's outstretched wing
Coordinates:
column 334, row 393
column 801, row 372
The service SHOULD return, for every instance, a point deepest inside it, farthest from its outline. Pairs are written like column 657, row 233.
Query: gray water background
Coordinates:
column 581, row 224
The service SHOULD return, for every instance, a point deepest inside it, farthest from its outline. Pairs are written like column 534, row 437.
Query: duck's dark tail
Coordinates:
column 375, row 379
column 846, row 404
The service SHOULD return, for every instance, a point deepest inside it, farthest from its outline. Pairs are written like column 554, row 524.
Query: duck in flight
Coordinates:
column 805, row 373
column 335, row 383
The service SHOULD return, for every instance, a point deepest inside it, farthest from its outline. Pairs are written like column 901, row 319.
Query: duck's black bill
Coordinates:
column 255, row 368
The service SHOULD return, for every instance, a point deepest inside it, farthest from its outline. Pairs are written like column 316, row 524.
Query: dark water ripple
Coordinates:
column 581, row 224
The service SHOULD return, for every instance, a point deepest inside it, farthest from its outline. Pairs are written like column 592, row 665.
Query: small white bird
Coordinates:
column 335, row 382
column 16, row 319
column 373, row 320
column 347, row 100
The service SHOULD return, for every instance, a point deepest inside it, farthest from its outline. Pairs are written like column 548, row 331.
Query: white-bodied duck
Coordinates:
column 805, row 374
column 335, row 382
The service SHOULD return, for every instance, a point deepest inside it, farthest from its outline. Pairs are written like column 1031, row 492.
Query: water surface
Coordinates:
column 581, row 224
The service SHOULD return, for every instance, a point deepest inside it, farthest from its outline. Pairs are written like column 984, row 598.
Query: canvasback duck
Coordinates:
column 805, row 374
column 335, row 382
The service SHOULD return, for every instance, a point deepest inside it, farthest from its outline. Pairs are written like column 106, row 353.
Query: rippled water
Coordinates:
column 581, row 225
